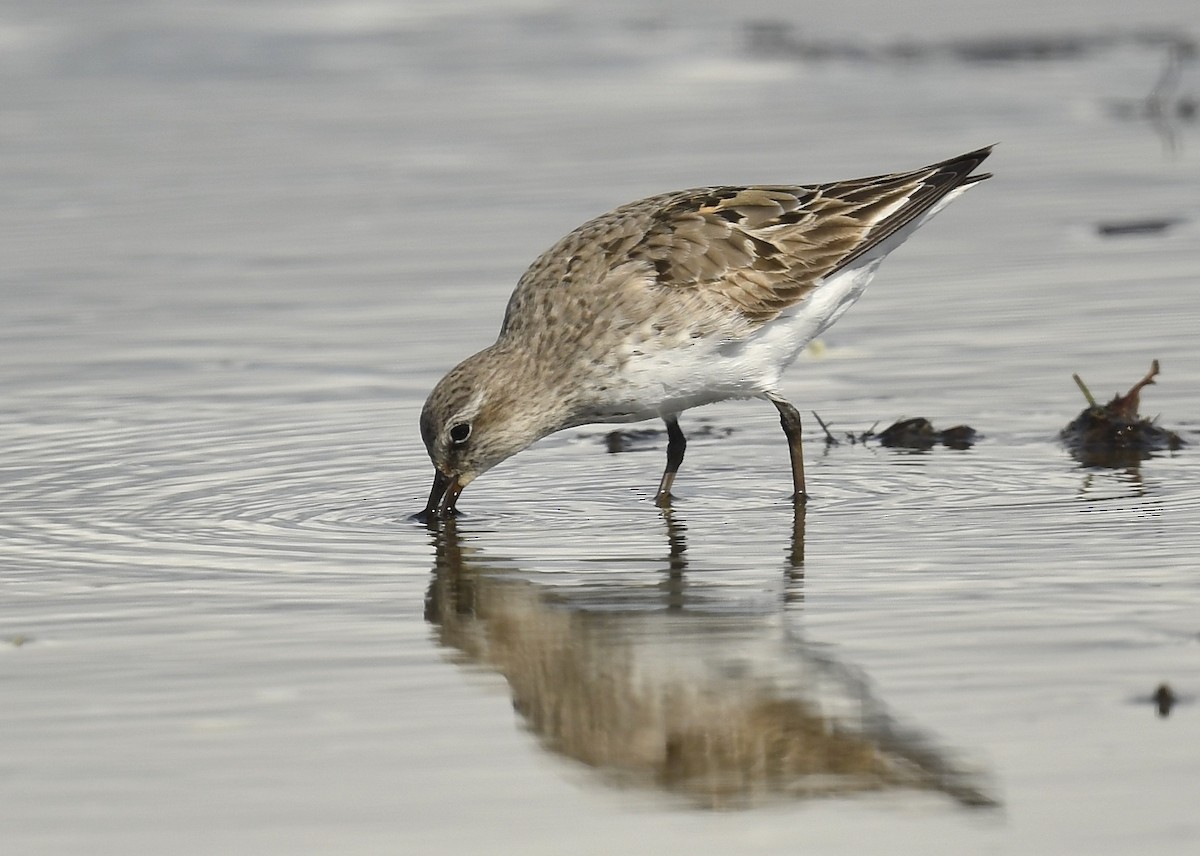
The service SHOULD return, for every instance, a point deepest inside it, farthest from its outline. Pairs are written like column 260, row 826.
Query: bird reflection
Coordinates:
column 794, row 568
column 677, row 560
column 722, row 706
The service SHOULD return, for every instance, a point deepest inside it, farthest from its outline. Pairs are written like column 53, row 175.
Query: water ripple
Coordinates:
column 219, row 490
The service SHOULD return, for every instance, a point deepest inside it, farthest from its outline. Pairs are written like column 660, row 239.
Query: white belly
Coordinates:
column 656, row 383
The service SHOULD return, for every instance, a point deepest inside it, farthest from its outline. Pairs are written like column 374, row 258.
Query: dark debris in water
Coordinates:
column 1167, row 108
column 919, row 433
column 779, row 39
column 631, row 439
column 1114, row 434
column 1165, row 101
column 1126, row 228
column 916, row 433
column 1164, row 699
column 641, row 439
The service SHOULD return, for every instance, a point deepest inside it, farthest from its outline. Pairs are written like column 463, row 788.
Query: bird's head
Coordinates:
column 484, row 411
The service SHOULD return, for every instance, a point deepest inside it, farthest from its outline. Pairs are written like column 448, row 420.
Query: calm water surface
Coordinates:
column 243, row 240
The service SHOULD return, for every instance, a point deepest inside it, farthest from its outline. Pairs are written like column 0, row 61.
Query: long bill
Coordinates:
column 443, row 496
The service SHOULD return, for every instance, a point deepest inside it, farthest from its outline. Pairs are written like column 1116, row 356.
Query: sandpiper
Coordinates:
column 669, row 303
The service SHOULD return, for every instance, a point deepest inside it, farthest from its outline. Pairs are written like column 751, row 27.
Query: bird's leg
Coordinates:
column 789, row 418
column 676, row 444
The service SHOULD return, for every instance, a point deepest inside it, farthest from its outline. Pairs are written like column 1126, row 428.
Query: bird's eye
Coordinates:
column 459, row 433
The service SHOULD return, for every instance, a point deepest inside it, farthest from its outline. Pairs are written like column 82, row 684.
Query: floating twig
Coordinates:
column 830, row 440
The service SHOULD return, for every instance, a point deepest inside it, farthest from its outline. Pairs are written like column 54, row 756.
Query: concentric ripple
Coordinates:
column 227, row 489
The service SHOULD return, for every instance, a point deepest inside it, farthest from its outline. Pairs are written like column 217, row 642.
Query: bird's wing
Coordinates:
column 750, row 250
column 762, row 249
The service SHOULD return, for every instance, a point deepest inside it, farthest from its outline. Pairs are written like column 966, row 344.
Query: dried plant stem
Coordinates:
column 1091, row 400
column 829, row 438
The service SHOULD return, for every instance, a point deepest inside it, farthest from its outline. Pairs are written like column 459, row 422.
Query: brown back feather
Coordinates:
column 756, row 250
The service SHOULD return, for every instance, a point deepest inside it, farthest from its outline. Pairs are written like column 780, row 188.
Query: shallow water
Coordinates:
column 245, row 239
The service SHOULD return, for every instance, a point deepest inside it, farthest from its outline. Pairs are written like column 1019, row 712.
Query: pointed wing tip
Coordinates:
column 962, row 166
column 977, row 157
